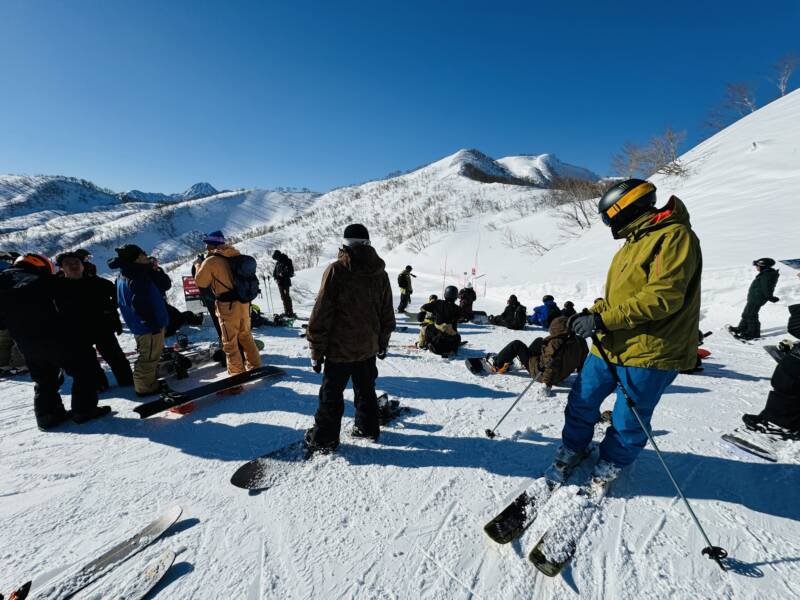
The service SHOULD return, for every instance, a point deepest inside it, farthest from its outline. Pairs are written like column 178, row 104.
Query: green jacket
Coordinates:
column 651, row 308
column 763, row 286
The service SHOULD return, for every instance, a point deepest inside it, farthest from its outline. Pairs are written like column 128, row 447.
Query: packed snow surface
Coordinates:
column 402, row 518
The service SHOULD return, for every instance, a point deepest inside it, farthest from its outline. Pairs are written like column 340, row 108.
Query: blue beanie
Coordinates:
column 215, row 238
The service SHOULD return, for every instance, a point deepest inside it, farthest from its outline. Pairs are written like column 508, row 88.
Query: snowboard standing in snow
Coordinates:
column 74, row 581
column 269, row 470
column 170, row 398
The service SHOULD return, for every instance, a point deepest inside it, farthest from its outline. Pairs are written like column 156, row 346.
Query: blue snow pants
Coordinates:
column 624, row 438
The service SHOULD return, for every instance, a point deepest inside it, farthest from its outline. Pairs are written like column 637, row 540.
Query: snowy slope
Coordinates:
column 198, row 190
column 402, row 518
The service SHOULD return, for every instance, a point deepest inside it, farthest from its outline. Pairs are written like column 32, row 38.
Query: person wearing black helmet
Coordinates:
column 466, row 298
column 569, row 309
column 647, row 323
column 441, row 337
column 406, row 289
column 349, row 328
column 28, row 306
column 761, row 291
column 283, row 273
column 513, row 316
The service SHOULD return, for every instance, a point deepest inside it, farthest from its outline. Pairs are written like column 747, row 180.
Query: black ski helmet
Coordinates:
column 450, row 292
column 548, row 298
column 626, row 201
column 408, row 267
column 764, row 263
column 276, row 255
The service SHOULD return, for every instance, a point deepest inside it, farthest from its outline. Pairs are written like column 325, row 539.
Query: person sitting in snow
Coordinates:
column 781, row 414
column 568, row 310
column 425, row 317
column 544, row 314
column 466, row 298
column 549, row 360
column 441, row 337
column 513, row 317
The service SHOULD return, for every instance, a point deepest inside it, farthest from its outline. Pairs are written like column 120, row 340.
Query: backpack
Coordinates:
column 285, row 269
column 245, row 281
column 441, row 343
column 401, row 280
column 520, row 317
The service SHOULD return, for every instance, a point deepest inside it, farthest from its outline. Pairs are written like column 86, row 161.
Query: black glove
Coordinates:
column 773, row 299
column 317, row 364
column 381, row 353
column 585, row 325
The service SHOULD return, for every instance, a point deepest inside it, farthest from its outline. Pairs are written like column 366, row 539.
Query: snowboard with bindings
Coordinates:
column 730, row 329
column 171, row 398
column 269, row 470
column 65, row 586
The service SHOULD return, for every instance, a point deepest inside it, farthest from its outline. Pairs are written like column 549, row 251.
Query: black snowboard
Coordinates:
column 476, row 366
column 170, row 398
column 271, row 469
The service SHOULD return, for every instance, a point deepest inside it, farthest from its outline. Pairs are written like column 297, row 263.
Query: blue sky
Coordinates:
column 159, row 95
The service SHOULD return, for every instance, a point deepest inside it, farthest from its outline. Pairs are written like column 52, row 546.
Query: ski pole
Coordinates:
column 490, row 433
column 269, row 295
column 715, row 553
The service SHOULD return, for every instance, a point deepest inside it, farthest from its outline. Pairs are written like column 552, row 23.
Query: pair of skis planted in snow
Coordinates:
column 74, row 580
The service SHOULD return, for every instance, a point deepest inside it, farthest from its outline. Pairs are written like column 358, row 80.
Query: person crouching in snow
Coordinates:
column 549, row 360
column 544, row 314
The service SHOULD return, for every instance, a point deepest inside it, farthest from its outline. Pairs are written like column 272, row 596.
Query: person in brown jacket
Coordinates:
column 234, row 316
column 549, row 360
column 349, row 327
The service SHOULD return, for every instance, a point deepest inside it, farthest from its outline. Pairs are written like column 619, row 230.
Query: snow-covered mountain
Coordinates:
column 198, row 190
column 544, row 169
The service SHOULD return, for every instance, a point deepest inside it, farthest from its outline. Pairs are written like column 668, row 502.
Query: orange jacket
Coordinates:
column 215, row 272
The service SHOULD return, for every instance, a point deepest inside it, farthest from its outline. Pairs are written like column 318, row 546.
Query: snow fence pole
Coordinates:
column 490, row 432
column 715, row 553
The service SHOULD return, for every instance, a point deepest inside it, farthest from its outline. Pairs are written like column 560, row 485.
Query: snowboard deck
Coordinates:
column 66, row 586
column 269, row 470
column 736, row 336
column 171, row 398
column 734, row 438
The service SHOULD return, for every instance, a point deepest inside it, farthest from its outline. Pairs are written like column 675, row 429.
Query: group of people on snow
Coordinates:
column 644, row 328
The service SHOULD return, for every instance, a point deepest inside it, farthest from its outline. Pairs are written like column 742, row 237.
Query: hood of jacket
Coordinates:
column 224, row 250
column 674, row 211
column 361, row 260
column 558, row 327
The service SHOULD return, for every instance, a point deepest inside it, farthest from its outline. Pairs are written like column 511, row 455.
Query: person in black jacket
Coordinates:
column 406, row 288
column 513, row 316
column 568, row 309
column 283, row 273
column 91, row 302
column 441, row 336
column 761, row 291
column 466, row 298
column 48, row 341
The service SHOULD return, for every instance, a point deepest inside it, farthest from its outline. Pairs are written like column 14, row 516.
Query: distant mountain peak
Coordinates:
column 199, row 190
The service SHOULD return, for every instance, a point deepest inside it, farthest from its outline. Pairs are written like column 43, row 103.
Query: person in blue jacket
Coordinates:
column 140, row 289
column 543, row 315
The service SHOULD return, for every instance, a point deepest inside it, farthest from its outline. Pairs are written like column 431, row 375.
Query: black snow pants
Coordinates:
column 518, row 349
column 45, row 360
column 286, row 299
column 783, row 402
column 328, row 419
column 750, row 327
column 108, row 347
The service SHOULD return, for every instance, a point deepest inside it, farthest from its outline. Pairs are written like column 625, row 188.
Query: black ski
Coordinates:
column 66, row 586
column 170, row 398
column 514, row 519
column 558, row 545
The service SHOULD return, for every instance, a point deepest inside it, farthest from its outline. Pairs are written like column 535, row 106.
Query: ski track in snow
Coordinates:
column 402, row 518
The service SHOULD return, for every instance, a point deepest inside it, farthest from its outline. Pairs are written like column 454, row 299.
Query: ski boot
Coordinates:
column 605, row 472
column 564, row 462
column 95, row 413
